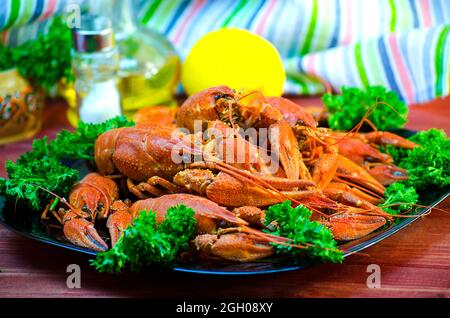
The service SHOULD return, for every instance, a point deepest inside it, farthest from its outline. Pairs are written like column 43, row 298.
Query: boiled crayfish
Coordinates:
column 228, row 155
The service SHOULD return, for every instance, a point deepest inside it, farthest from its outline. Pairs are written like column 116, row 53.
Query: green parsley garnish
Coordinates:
column 295, row 224
column 428, row 165
column 78, row 144
column 399, row 198
column 42, row 167
column 24, row 180
column 348, row 109
column 46, row 59
column 147, row 243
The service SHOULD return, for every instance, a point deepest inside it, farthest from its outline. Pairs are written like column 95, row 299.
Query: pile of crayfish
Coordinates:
column 229, row 155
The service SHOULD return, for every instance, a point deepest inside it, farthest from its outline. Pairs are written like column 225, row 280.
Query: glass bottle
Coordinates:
column 149, row 66
column 95, row 61
column 20, row 108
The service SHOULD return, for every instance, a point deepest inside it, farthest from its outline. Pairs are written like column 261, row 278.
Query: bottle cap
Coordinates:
column 95, row 34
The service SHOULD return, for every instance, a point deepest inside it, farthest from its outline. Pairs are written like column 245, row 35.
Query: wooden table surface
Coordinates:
column 414, row 262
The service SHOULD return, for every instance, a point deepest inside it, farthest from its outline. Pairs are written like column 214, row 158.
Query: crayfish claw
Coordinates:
column 236, row 247
column 388, row 174
column 350, row 226
column 82, row 233
column 118, row 221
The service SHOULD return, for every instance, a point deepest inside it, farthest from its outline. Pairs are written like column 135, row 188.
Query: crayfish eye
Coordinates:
column 300, row 122
column 100, row 206
column 399, row 174
column 222, row 96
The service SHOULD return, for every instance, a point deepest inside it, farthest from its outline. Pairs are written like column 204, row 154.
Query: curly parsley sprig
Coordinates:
column 399, row 198
column 428, row 165
column 26, row 179
column 295, row 224
column 146, row 243
column 347, row 109
column 46, row 59
column 42, row 167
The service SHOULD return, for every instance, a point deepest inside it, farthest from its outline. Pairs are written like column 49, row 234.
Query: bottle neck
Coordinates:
column 123, row 17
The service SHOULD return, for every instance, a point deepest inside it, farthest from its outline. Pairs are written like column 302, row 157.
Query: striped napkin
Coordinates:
column 401, row 44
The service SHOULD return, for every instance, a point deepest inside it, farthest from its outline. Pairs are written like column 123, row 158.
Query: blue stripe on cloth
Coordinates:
column 60, row 6
column 294, row 47
column 287, row 13
column 337, row 25
column 446, row 10
column 404, row 49
column 37, row 9
column 272, row 29
column 177, row 15
column 418, row 55
column 254, row 14
column 428, row 60
column 416, row 22
column 387, row 66
column 438, row 13
column 3, row 17
column 193, row 27
column 300, row 65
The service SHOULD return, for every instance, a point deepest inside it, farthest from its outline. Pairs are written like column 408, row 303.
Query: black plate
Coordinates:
column 31, row 228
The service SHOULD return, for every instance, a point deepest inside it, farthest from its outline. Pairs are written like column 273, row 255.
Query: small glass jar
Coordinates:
column 20, row 108
column 149, row 65
column 95, row 61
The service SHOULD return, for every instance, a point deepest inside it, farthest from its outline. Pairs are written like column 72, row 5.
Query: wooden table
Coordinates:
column 414, row 262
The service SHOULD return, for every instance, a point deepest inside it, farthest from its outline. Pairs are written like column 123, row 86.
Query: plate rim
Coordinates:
column 350, row 251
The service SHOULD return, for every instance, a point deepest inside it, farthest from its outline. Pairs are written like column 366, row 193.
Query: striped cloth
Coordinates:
column 401, row 44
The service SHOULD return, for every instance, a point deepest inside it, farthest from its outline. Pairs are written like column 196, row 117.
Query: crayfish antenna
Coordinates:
column 63, row 200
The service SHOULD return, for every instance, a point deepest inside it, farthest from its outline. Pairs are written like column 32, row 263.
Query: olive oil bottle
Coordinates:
column 149, row 68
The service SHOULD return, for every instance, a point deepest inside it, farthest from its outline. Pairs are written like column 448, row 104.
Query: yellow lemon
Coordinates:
column 234, row 57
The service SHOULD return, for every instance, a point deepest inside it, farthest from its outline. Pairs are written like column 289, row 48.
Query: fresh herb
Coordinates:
column 398, row 154
column 75, row 145
column 42, row 167
column 46, row 59
column 6, row 58
column 348, row 109
column 147, row 243
column 295, row 224
column 26, row 180
column 80, row 144
column 399, row 198
column 428, row 165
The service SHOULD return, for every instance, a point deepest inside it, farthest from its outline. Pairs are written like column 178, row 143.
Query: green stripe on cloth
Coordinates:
column 163, row 14
column 323, row 33
column 360, row 65
column 27, row 12
column 294, row 76
column 296, row 79
column 15, row 10
column 309, row 85
column 405, row 19
column 440, row 63
column 235, row 11
column 311, row 28
column 393, row 23
column 151, row 11
column 373, row 64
